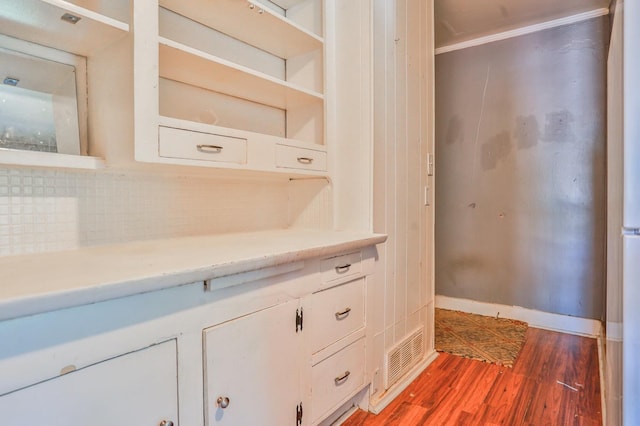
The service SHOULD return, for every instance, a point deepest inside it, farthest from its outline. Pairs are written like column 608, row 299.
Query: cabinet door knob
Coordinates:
column 223, row 401
column 341, row 379
column 166, row 423
column 343, row 314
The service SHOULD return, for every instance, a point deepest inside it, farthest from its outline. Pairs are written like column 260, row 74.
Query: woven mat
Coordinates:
column 488, row 339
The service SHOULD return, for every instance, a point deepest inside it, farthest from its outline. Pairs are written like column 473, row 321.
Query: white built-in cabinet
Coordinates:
column 285, row 346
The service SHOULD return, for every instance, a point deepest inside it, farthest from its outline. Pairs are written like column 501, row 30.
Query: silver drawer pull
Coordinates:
column 166, row 423
column 343, row 268
column 343, row 314
column 340, row 380
column 214, row 149
column 223, row 401
column 305, row 160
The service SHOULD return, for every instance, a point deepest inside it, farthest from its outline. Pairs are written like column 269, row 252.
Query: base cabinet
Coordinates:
column 252, row 370
column 288, row 349
column 138, row 388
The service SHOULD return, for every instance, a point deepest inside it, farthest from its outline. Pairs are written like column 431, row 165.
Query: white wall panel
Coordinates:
column 403, row 74
column 349, row 113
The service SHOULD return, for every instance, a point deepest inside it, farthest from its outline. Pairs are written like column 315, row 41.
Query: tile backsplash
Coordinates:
column 49, row 210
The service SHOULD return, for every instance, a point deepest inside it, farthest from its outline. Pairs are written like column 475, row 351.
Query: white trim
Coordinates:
column 537, row 319
column 524, row 30
column 392, row 393
column 16, row 157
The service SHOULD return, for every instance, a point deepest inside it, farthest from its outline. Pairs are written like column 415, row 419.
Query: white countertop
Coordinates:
column 31, row 284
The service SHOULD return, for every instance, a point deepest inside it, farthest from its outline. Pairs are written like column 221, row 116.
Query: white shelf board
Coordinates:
column 185, row 64
column 116, row 9
column 265, row 30
column 16, row 157
column 38, row 21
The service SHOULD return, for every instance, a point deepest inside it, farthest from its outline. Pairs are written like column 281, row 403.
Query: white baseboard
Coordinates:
column 377, row 405
column 537, row 319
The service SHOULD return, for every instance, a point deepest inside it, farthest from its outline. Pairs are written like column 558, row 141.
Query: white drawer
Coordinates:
column 290, row 157
column 337, row 312
column 344, row 266
column 190, row 145
column 337, row 378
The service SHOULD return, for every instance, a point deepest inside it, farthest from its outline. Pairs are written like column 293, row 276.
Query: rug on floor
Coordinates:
column 488, row 339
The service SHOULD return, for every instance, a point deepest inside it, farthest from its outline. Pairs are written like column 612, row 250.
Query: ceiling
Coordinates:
column 462, row 20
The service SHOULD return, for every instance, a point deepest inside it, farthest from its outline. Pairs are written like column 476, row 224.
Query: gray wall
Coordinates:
column 520, row 158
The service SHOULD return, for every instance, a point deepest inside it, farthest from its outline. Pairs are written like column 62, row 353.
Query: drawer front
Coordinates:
column 336, row 313
column 190, row 145
column 290, row 157
column 337, row 378
column 343, row 266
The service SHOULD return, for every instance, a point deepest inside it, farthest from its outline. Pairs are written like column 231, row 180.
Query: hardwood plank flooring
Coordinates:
column 554, row 381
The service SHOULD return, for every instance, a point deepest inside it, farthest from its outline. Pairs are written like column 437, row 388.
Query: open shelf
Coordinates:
column 185, row 64
column 119, row 10
column 251, row 23
column 38, row 21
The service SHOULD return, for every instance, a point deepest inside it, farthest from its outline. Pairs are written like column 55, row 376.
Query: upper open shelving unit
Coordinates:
column 240, row 85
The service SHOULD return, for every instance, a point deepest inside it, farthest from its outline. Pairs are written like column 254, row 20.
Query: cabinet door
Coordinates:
column 252, row 366
column 139, row 388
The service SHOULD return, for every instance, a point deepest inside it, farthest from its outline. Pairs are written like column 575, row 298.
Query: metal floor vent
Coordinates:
column 403, row 356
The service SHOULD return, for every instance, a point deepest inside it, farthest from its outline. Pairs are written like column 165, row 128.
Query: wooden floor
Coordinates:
column 555, row 381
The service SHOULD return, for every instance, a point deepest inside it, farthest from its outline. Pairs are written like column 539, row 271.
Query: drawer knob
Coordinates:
column 305, row 160
column 213, row 149
column 340, row 380
column 341, row 269
column 343, row 314
column 166, row 423
column 223, row 401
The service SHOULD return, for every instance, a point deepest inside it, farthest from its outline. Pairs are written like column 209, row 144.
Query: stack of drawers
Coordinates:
column 338, row 333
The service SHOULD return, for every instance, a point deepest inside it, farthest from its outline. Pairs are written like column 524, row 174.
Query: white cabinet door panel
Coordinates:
column 254, row 362
column 139, row 388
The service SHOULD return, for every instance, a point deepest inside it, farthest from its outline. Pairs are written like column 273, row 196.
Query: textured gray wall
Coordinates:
column 520, row 157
